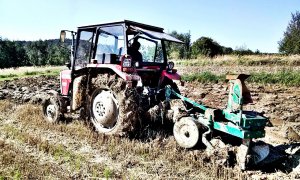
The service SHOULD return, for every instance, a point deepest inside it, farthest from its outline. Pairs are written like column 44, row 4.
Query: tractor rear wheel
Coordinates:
column 113, row 106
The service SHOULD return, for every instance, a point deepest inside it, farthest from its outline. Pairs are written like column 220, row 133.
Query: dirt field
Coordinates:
column 32, row 148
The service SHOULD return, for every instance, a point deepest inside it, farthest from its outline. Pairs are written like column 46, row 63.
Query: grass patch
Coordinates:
column 107, row 173
column 11, row 73
column 288, row 78
column 285, row 77
column 32, row 73
column 8, row 76
column 58, row 151
column 204, row 77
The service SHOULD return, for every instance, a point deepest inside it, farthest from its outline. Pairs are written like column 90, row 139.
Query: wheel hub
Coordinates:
column 50, row 111
column 100, row 109
column 105, row 109
column 186, row 132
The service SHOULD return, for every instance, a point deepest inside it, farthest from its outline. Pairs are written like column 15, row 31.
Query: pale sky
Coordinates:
column 255, row 24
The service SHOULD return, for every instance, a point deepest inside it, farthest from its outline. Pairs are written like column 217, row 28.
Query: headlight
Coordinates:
column 170, row 65
column 126, row 62
column 137, row 64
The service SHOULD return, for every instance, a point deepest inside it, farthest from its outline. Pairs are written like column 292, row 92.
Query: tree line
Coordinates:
column 32, row 53
column 206, row 46
column 51, row 52
column 203, row 46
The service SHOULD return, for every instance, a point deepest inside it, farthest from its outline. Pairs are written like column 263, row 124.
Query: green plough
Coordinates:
column 233, row 121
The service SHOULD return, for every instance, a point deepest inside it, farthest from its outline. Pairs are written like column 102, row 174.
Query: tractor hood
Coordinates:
column 156, row 35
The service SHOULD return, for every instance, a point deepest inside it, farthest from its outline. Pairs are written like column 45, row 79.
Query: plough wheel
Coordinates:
column 187, row 132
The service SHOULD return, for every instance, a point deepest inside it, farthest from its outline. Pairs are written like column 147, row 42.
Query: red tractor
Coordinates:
column 117, row 72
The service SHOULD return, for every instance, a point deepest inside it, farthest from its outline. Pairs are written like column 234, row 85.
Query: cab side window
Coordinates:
column 84, row 49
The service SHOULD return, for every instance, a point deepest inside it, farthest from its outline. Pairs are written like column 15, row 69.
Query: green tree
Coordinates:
column 57, row 55
column 290, row 44
column 38, row 53
column 12, row 54
column 207, row 47
column 242, row 50
column 227, row 50
column 181, row 51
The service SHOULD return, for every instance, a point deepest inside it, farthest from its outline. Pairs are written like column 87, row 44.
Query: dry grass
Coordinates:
column 284, row 77
column 158, row 158
column 16, row 164
column 22, row 70
column 264, row 69
column 247, row 60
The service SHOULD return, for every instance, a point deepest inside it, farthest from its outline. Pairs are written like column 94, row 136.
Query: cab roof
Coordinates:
column 148, row 30
column 127, row 22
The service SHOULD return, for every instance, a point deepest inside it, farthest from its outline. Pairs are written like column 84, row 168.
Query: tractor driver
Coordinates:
column 133, row 51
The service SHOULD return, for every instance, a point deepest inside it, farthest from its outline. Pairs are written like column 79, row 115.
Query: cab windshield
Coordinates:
column 150, row 49
column 110, row 40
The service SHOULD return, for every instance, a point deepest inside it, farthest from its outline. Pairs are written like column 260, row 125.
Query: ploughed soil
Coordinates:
column 32, row 148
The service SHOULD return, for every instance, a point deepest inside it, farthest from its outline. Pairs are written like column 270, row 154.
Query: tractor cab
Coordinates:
column 107, row 43
column 111, row 45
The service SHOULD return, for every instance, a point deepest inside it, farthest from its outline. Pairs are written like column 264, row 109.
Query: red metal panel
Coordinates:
column 173, row 76
column 65, row 80
column 117, row 69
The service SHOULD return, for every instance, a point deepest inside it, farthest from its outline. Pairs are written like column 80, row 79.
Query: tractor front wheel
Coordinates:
column 51, row 109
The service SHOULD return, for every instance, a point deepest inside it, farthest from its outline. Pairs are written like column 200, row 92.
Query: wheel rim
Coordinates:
column 186, row 132
column 105, row 111
column 50, row 112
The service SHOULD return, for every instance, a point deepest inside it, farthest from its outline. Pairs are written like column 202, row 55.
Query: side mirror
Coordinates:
column 62, row 36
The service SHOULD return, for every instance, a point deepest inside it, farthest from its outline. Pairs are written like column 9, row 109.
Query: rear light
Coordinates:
column 126, row 62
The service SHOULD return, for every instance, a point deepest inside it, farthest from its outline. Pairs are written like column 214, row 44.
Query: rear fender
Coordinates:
column 168, row 78
column 65, row 80
column 171, row 75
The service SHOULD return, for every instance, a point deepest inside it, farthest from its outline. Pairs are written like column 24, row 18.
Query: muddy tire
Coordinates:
column 51, row 109
column 113, row 106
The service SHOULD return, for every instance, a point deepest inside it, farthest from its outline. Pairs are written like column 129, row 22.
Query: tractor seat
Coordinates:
column 106, row 58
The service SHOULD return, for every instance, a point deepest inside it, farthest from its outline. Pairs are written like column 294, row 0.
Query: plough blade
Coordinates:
column 260, row 152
